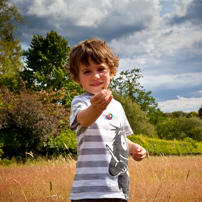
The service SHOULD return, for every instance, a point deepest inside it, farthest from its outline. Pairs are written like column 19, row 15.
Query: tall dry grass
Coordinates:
column 165, row 178
column 153, row 179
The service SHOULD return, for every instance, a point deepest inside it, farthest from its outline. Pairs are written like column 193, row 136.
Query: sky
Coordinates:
column 163, row 38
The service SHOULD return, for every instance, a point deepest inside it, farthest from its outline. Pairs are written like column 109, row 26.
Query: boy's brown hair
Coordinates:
column 93, row 49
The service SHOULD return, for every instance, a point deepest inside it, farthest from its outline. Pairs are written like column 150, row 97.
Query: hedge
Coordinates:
column 65, row 144
column 168, row 147
column 153, row 146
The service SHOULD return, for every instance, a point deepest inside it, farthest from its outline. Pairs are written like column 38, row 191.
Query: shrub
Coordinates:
column 192, row 114
column 180, row 128
column 137, row 118
column 167, row 147
column 25, row 122
column 1, row 151
column 64, row 144
column 52, row 102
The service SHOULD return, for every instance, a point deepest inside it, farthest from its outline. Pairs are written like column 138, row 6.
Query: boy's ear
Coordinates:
column 111, row 76
column 77, row 80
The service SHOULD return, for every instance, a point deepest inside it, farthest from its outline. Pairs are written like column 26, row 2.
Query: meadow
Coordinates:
column 157, row 178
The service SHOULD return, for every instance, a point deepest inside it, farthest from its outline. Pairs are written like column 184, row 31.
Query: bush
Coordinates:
column 167, row 147
column 1, row 151
column 137, row 118
column 25, row 123
column 192, row 114
column 180, row 128
column 193, row 142
column 64, row 144
column 52, row 102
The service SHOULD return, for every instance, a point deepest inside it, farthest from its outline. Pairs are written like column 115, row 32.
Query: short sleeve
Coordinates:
column 78, row 104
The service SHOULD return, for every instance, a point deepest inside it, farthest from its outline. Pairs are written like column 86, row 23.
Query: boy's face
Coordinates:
column 94, row 77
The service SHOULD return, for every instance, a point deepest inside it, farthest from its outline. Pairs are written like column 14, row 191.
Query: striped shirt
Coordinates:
column 102, row 163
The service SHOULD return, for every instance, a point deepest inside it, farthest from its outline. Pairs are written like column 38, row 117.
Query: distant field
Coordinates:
column 173, row 178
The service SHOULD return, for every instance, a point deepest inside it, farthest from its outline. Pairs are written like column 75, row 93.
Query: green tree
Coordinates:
column 137, row 118
column 200, row 112
column 72, row 89
column 127, row 86
column 45, row 61
column 10, row 48
column 177, row 114
column 180, row 128
column 192, row 114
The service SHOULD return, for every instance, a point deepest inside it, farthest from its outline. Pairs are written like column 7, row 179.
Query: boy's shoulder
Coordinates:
column 84, row 96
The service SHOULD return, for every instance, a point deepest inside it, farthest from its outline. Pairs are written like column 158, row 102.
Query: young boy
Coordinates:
column 101, row 127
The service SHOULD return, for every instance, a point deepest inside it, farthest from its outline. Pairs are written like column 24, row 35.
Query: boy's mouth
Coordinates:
column 97, row 84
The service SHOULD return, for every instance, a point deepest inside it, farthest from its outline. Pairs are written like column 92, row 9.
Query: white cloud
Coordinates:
column 174, row 81
column 181, row 7
column 158, row 42
column 92, row 13
column 181, row 104
column 186, row 12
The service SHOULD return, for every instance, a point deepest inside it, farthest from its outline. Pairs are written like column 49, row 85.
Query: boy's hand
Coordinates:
column 139, row 153
column 101, row 100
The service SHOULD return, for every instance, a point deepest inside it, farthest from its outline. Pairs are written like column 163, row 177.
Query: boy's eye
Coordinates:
column 86, row 72
column 101, row 69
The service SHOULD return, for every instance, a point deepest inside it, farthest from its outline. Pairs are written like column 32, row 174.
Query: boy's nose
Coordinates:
column 96, row 75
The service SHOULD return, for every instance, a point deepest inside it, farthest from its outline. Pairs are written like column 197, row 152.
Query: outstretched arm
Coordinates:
column 136, row 150
column 99, row 103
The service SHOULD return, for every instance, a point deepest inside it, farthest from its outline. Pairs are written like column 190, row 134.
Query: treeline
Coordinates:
column 35, row 101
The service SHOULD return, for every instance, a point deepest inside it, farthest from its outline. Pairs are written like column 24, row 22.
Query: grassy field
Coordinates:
column 164, row 178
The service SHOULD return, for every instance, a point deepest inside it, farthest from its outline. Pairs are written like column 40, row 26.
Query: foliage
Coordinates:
column 180, row 128
column 52, row 102
column 164, row 147
column 155, row 115
column 192, row 114
column 193, row 142
column 64, row 144
column 127, row 86
column 10, row 48
column 177, row 114
column 25, row 123
column 1, row 151
column 45, row 61
column 200, row 112
column 72, row 89
column 137, row 118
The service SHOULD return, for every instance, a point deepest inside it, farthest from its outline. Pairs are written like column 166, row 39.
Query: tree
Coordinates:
column 10, row 48
column 45, row 61
column 137, row 118
column 200, row 112
column 180, row 128
column 127, row 86
column 192, row 114
column 177, row 114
